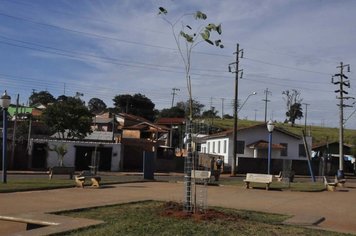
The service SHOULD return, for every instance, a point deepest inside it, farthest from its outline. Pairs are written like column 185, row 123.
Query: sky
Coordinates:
column 105, row 48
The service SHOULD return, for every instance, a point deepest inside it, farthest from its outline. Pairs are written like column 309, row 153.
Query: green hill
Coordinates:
column 319, row 134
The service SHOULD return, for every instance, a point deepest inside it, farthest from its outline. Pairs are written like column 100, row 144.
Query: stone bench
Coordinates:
column 61, row 170
column 340, row 182
column 285, row 175
column 80, row 179
column 258, row 178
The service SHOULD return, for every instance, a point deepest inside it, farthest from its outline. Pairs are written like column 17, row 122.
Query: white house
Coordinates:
column 80, row 153
column 252, row 142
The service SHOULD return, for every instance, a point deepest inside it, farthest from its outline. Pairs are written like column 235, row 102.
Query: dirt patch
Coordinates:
column 174, row 209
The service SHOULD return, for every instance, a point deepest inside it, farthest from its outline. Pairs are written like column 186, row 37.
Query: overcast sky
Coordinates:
column 112, row 47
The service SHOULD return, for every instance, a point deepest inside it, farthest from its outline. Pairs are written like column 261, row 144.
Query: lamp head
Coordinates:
column 5, row 100
column 270, row 126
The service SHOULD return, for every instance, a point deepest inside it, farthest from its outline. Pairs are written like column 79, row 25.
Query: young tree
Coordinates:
column 69, row 117
column 186, row 39
column 293, row 105
column 61, row 150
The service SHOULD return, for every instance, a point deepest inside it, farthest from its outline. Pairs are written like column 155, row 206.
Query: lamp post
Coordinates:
column 5, row 101
column 242, row 105
column 270, row 127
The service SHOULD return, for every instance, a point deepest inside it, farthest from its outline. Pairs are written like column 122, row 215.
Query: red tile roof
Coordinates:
column 170, row 121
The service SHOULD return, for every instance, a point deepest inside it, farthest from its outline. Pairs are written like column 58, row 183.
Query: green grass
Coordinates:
column 43, row 183
column 146, row 218
column 319, row 134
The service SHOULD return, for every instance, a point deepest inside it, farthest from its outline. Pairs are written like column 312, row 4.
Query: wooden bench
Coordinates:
column 330, row 186
column 80, row 179
column 258, row 178
column 61, row 170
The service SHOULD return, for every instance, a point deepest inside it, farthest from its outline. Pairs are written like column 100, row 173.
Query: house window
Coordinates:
column 218, row 146
column 213, row 147
column 240, row 147
column 284, row 151
column 208, row 148
column 302, row 150
column 225, row 145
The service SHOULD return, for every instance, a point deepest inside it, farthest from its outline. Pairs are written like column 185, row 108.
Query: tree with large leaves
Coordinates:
column 42, row 97
column 137, row 104
column 69, row 118
column 295, row 113
column 96, row 105
column 187, row 37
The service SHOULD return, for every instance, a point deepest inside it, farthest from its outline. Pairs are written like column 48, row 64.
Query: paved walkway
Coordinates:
column 338, row 208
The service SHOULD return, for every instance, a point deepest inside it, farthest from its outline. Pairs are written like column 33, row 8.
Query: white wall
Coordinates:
column 255, row 134
column 219, row 146
column 69, row 158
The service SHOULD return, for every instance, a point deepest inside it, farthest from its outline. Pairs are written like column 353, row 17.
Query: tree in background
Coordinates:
column 293, row 104
column 137, row 104
column 42, row 97
column 212, row 113
column 70, row 118
column 96, row 105
column 173, row 112
column 196, row 109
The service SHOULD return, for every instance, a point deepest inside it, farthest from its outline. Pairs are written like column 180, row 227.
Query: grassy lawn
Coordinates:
column 16, row 184
column 43, row 183
column 148, row 218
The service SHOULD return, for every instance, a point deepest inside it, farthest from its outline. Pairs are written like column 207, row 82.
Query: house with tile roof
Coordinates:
column 252, row 142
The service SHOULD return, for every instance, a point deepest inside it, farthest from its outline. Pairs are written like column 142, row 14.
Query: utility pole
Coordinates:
column 173, row 94
column 266, row 100
column 236, row 63
column 256, row 114
column 222, row 108
column 305, row 118
column 14, row 133
column 343, row 81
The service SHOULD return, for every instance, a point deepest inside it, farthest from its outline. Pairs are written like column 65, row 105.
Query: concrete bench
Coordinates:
column 340, row 182
column 285, row 175
column 258, row 178
column 330, row 186
column 80, row 179
column 61, row 170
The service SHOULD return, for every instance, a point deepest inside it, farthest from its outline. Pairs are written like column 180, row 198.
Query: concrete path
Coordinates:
column 338, row 208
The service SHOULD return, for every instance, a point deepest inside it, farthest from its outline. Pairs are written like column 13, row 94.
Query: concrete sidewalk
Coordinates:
column 338, row 208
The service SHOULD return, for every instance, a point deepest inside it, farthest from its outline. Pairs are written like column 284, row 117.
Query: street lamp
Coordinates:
column 5, row 101
column 251, row 94
column 270, row 127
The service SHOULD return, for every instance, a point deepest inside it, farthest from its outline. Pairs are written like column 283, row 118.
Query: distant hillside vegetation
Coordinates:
column 319, row 134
